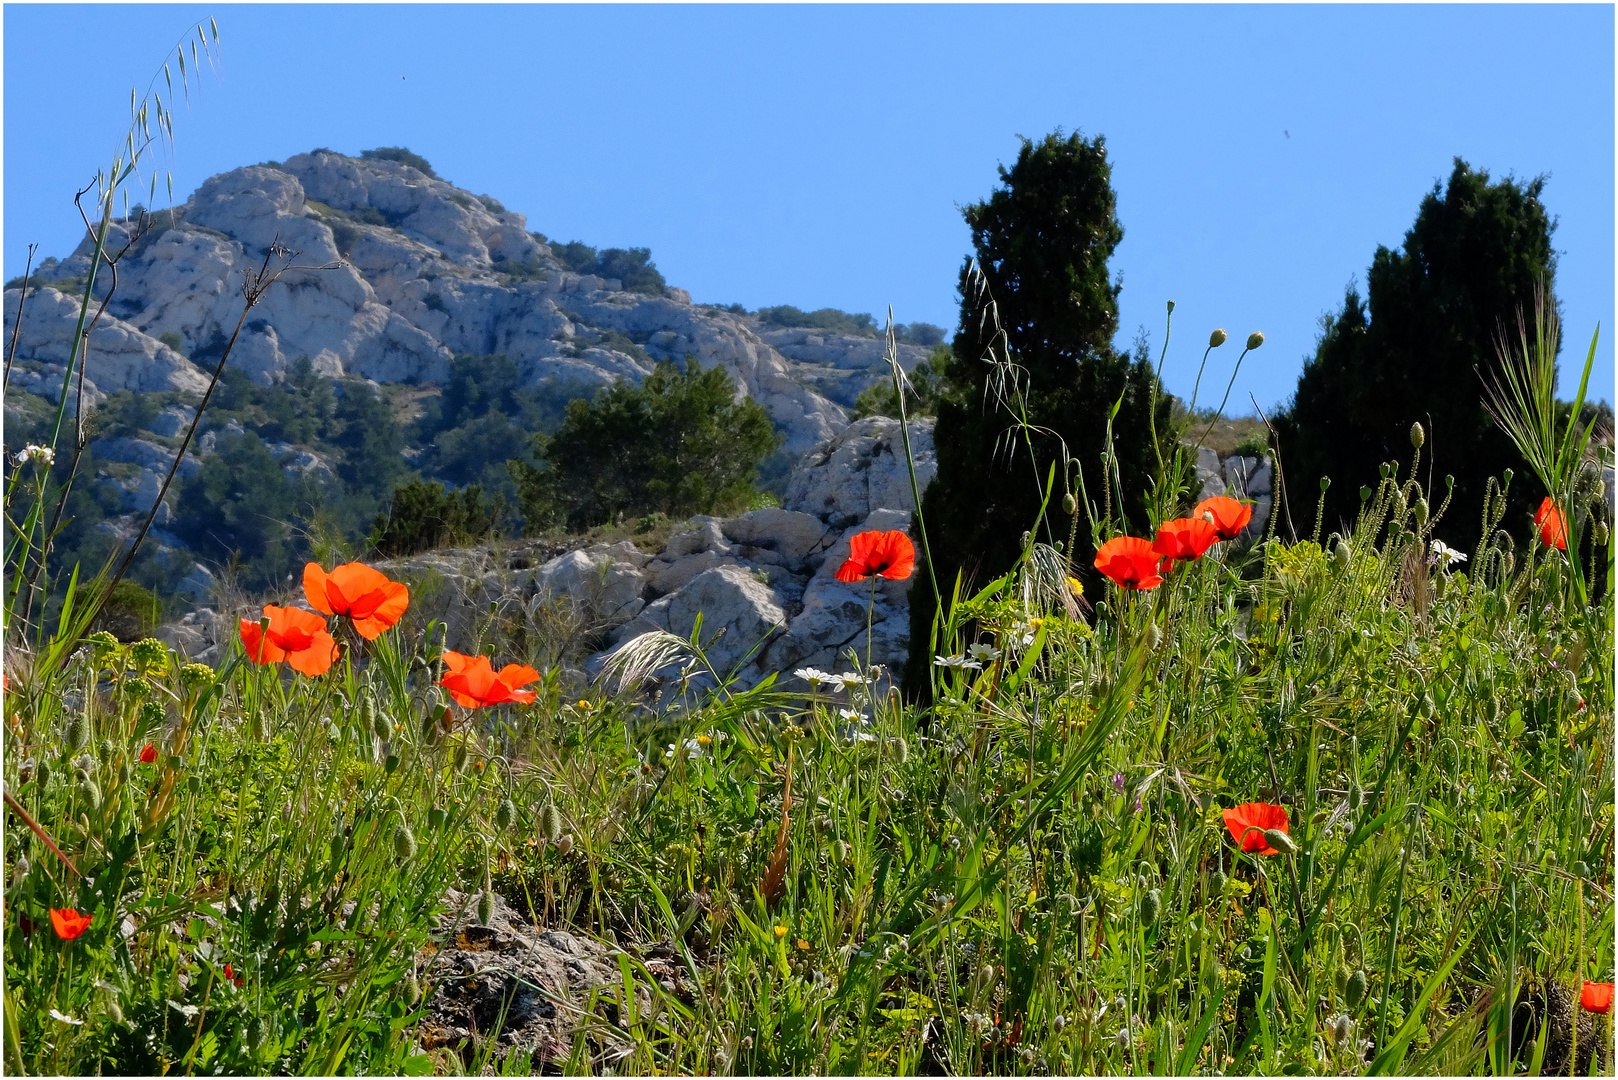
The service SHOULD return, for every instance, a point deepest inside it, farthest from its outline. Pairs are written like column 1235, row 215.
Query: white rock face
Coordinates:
column 861, row 469
column 120, row 356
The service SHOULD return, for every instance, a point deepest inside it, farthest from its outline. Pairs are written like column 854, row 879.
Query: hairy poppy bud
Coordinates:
column 1325, row 482
column 901, row 750
column 256, row 1032
column 429, row 728
column 1365, row 493
column 1255, row 339
column 550, row 822
column 1354, row 990
column 486, row 908
column 78, row 733
column 1599, row 534
column 986, row 978
column 42, row 774
column 123, row 772
column 1383, row 469
column 1217, row 881
column 1506, row 478
column 1217, row 338
column 1151, row 906
column 1340, row 979
column 564, row 845
column 1058, row 1022
column 115, row 1012
column 412, row 989
column 104, row 751
column 458, row 758
column 261, row 724
column 839, row 851
column 1422, row 510
column 1418, row 435
column 90, row 792
column 1356, row 796
column 1154, row 636
column 372, row 719
column 1280, row 841
column 504, row 814
column 1069, row 504
column 1344, row 554
column 404, row 842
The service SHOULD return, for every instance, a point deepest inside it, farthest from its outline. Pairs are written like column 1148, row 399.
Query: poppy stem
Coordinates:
column 870, row 611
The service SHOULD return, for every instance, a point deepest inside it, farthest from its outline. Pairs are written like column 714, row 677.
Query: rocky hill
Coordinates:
column 404, row 273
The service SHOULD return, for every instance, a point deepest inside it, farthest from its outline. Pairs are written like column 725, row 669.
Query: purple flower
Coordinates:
column 1118, row 782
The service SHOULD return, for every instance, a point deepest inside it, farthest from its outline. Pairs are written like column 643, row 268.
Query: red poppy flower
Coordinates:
column 473, row 682
column 1229, row 516
column 1248, row 822
column 369, row 597
column 1596, row 997
column 1185, row 538
column 1552, row 530
column 148, row 754
column 68, row 923
column 878, row 554
column 298, row 637
column 229, row 974
column 1130, row 562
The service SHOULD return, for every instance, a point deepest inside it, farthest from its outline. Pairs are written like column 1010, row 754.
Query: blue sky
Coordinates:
column 818, row 155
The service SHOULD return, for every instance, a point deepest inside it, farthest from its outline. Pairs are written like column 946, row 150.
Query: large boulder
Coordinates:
column 861, row 469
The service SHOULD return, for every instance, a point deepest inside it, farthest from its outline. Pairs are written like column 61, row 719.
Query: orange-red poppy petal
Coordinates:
column 1248, row 822
column 68, row 923
column 1596, row 997
column 1185, row 538
column 1229, row 516
column 391, row 601
column 315, row 659
column 260, row 649
column 1552, row 529
column 871, row 554
column 1130, row 562
column 314, row 588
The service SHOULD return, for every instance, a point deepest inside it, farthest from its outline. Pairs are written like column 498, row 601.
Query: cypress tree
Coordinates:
column 1042, row 239
column 1422, row 349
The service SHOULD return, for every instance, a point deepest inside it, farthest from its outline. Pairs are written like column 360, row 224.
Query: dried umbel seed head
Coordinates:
column 486, row 908
column 1418, row 435
column 404, row 842
column 550, row 822
column 1354, row 989
column 1280, row 841
column 1217, row 338
column 504, row 815
column 1151, row 906
column 1255, row 339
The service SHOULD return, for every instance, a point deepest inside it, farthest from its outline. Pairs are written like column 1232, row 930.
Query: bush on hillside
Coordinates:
column 680, row 443
column 402, row 156
column 926, row 382
column 424, row 515
column 633, row 267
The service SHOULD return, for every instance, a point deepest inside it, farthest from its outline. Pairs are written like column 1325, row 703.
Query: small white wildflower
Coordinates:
column 957, row 661
column 984, row 653
column 42, row 454
column 1448, row 554
column 848, row 679
column 64, row 1018
column 813, row 676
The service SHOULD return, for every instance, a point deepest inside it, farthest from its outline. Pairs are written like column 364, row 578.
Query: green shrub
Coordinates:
column 402, row 156
column 424, row 515
column 926, row 382
column 131, row 612
column 173, row 340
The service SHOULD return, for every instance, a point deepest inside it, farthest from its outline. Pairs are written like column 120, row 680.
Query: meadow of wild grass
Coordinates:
column 1334, row 804
column 1339, row 804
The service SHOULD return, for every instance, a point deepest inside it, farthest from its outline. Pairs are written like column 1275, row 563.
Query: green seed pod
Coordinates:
column 78, row 733
column 42, row 774
column 1254, row 340
column 1365, row 493
column 1418, row 435
column 1217, row 338
column 839, row 851
column 391, row 764
column 90, row 792
column 339, row 844
column 550, row 822
column 1356, row 796
column 1581, row 869
column 1340, row 979
column 404, row 842
column 105, row 751
column 1506, row 478
column 1383, row 469
column 1069, row 504
column 1344, row 555
column 1151, row 906
column 1217, row 881
column 261, row 724
column 1422, row 510
column 429, row 728
column 901, row 750
column 1280, row 841
column 486, row 908
column 458, row 758
column 504, row 815
column 1354, row 990
column 412, row 989
column 1325, row 484
column 115, row 1012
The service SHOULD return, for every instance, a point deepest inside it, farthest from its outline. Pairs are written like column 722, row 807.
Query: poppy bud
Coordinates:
column 373, row 718
column 78, row 733
column 564, row 845
column 1154, row 636
column 90, row 792
column 1506, row 478
column 1254, row 340
column 504, row 814
column 123, row 772
column 1426, row 705
column 429, row 728
column 1069, row 504
column 486, row 908
column 1418, row 435
column 550, row 822
column 391, row 764
column 1354, row 990
column 104, row 751
column 1421, row 510
column 115, row 1013
column 404, row 842
column 1340, row 979
column 986, row 978
column 1449, row 481
column 901, row 750
column 458, row 758
column 1574, row 699
column 1280, row 841
column 839, row 851
column 1171, row 307
column 1383, row 469
column 42, row 774
column 1599, row 534
column 1217, row 881
column 1151, row 906
column 1325, row 482
column 1217, row 338
column 1365, row 493
column 1356, row 796
column 412, row 989
column 1344, row 554
column 261, row 725
column 1058, row 1022
column 257, row 1030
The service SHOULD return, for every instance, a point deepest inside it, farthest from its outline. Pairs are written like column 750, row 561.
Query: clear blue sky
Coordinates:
column 818, row 155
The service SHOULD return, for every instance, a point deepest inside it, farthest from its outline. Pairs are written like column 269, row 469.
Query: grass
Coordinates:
column 1031, row 875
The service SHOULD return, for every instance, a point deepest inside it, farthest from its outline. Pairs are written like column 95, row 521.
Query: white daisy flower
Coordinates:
column 957, row 661
column 983, row 653
column 1448, row 554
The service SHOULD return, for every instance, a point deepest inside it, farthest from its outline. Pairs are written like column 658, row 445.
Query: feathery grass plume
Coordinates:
column 639, row 658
